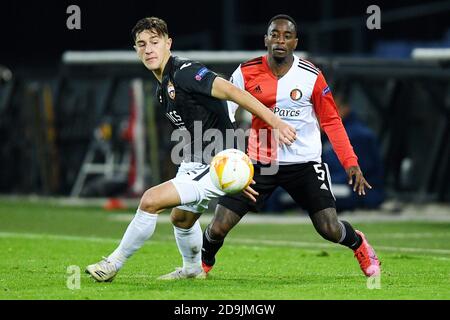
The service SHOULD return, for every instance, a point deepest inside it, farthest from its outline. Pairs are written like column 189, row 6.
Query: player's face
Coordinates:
column 281, row 39
column 152, row 49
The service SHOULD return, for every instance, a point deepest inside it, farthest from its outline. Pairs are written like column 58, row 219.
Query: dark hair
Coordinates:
column 150, row 23
column 282, row 17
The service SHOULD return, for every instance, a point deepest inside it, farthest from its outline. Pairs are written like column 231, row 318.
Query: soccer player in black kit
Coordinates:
column 190, row 94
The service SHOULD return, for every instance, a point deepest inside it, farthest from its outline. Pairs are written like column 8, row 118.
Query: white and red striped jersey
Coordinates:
column 303, row 99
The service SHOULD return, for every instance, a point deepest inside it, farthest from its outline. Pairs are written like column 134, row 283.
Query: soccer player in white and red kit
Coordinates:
column 297, row 92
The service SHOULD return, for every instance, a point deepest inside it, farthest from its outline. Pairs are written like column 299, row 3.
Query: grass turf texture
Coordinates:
column 39, row 241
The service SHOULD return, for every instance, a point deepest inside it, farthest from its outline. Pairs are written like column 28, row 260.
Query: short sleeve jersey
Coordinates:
column 185, row 94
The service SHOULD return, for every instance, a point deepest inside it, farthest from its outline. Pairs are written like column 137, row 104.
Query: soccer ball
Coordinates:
column 231, row 171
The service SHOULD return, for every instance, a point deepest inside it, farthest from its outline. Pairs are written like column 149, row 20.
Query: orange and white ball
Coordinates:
column 231, row 171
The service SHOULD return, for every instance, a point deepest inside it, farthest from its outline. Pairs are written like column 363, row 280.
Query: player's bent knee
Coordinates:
column 177, row 220
column 218, row 231
column 150, row 202
column 330, row 231
column 181, row 224
column 182, row 220
column 327, row 225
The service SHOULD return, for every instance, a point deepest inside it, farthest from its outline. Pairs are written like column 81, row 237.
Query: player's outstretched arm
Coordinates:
column 225, row 90
column 360, row 182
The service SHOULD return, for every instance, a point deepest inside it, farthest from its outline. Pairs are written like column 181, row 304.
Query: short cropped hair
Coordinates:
column 282, row 17
column 150, row 23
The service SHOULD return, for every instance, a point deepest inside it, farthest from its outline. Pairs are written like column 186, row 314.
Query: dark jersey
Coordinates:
column 185, row 93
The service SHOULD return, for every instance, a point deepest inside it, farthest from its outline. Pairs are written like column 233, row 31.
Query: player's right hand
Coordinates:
column 285, row 133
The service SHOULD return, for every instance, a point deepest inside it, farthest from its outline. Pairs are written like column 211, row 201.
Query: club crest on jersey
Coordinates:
column 171, row 90
column 296, row 94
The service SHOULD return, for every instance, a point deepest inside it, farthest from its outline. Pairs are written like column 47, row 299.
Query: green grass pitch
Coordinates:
column 39, row 241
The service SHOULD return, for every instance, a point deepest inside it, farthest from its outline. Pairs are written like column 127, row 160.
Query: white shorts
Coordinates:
column 195, row 187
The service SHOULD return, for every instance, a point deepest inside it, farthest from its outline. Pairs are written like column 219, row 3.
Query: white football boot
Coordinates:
column 103, row 271
column 179, row 273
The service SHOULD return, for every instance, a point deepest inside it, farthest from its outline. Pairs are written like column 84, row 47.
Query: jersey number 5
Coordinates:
column 320, row 172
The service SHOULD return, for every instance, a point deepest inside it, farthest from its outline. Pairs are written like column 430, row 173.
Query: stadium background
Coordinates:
column 404, row 100
column 59, row 111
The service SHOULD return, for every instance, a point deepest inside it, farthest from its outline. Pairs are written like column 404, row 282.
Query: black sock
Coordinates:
column 210, row 248
column 351, row 238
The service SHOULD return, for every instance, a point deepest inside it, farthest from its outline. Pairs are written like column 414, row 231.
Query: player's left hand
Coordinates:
column 250, row 193
column 359, row 183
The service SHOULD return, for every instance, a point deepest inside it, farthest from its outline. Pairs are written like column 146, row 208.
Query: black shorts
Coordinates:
column 308, row 184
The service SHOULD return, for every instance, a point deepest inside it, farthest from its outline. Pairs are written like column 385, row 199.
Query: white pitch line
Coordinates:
column 245, row 241
column 303, row 244
column 412, row 235
column 252, row 218
column 55, row 237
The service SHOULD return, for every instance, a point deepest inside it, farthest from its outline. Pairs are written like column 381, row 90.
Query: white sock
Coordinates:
column 139, row 230
column 189, row 243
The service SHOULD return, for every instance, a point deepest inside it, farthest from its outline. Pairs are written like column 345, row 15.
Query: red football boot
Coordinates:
column 367, row 258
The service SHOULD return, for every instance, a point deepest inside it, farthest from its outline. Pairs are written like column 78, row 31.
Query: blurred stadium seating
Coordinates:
column 404, row 101
column 56, row 120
